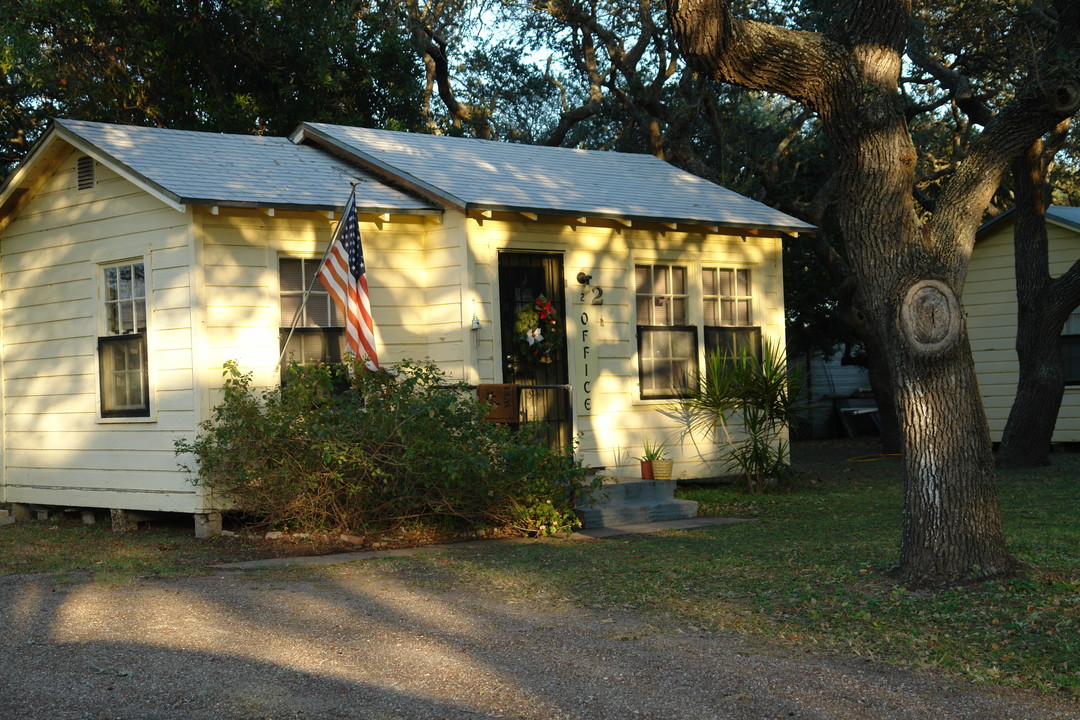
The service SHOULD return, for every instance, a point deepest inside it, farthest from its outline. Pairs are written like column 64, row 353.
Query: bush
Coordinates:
column 345, row 449
column 766, row 394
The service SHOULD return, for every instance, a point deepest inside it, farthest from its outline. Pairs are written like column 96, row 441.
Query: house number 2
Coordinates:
column 598, row 294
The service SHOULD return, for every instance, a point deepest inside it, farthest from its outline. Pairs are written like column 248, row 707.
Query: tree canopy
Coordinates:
column 243, row 66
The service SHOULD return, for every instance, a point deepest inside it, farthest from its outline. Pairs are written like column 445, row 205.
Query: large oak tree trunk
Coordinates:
column 907, row 270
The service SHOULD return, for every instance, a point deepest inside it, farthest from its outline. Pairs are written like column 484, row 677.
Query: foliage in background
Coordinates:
column 768, row 397
column 241, row 66
column 349, row 450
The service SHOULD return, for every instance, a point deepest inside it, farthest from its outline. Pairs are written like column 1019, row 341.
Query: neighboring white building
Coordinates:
column 990, row 302
column 135, row 261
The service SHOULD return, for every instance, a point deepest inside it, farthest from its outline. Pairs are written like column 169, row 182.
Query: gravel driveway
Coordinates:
column 366, row 642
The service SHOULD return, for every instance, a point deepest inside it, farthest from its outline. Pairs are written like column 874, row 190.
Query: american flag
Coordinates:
column 344, row 276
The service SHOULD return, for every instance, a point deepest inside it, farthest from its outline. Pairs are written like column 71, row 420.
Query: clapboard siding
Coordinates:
column 619, row 421
column 240, row 255
column 49, row 265
column 990, row 303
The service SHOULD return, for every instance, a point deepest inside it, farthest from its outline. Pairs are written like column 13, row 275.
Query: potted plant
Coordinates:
column 653, row 456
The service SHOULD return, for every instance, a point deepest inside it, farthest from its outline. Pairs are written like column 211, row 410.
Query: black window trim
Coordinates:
column 692, row 330
column 140, row 412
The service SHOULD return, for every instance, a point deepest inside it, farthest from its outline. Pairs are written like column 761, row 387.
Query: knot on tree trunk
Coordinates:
column 930, row 317
column 1065, row 99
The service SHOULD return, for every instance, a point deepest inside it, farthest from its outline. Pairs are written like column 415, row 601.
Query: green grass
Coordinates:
column 66, row 548
column 814, row 572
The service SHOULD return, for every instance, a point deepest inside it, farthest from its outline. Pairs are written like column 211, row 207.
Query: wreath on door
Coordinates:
column 536, row 330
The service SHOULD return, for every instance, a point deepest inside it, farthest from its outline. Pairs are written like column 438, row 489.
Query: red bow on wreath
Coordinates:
column 543, row 308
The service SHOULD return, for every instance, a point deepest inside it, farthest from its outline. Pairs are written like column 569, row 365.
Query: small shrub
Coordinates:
column 339, row 448
column 766, row 394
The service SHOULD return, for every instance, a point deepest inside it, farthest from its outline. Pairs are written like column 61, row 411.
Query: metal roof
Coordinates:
column 201, row 168
column 1064, row 215
column 1060, row 214
column 486, row 175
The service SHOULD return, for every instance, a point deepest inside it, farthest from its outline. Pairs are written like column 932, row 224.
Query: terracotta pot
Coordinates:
column 646, row 470
column 662, row 469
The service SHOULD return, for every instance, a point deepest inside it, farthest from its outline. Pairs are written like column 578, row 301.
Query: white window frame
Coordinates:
column 307, row 325
column 733, row 321
column 107, row 335
column 664, row 324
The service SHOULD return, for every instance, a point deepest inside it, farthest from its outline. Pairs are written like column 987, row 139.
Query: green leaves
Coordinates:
column 765, row 394
column 344, row 449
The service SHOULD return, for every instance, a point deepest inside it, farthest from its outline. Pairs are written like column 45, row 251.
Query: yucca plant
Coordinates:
column 766, row 396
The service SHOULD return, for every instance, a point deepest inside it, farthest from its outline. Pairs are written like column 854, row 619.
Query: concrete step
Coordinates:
column 627, row 501
column 632, row 513
column 617, row 491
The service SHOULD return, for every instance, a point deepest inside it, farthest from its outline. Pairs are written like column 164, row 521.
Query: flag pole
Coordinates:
column 314, row 277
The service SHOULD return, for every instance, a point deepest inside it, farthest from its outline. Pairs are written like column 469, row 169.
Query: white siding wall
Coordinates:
column 240, row 251
column 57, row 450
column 613, row 430
column 990, row 301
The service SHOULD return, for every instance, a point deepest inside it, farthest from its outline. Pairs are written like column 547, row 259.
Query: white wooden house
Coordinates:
column 990, row 302
column 134, row 262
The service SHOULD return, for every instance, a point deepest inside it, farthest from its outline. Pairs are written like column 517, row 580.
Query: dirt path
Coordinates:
column 368, row 643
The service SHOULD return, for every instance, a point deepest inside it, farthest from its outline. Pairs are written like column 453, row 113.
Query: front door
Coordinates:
column 533, row 320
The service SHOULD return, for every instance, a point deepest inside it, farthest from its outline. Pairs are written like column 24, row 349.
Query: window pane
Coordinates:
column 661, row 274
column 678, row 311
column 291, row 275
column 732, row 341
column 310, row 345
column 318, row 314
column 727, row 311
column 112, row 319
column 724, row 286
column 678, row 281
column 127, row 317
column 682, row 344
column 123, row 283
column 289, row 305
column 712, row 311
column 743, row 317
column 111, row 291
column 668, row 360
column 138, row 282
column 708, row 281
column 140, row 316
column 743, row 282
column 122, row 362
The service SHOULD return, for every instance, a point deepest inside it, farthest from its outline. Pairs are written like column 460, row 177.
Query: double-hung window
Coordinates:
column 1070, row 349
column 667, row 342
column 319, row 332
column 122, row 357
column 727, row 302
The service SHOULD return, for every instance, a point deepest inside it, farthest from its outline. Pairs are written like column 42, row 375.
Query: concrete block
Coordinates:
column 20, row 512
column 207, row 525
column 123, row 521
column 88, row 517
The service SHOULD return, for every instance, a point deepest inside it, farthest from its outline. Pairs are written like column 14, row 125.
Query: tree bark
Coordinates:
column 1043, row 307
column 907, row 271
